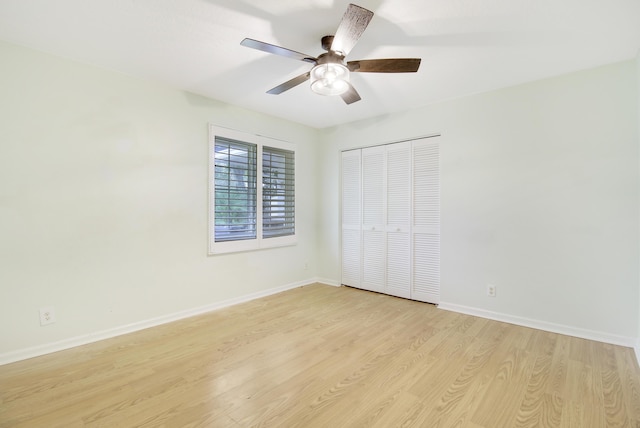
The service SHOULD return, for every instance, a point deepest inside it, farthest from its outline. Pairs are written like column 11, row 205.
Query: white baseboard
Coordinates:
column 36, row 351
column 327, row 281
column 598, row 336
column 48, row 348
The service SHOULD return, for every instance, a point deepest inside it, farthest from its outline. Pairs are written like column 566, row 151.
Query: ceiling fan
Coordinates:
column 330, row 74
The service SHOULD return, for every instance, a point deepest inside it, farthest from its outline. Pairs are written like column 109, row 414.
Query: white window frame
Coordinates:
column 259, row 242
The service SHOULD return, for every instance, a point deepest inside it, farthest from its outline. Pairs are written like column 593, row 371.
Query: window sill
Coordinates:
column 252, row 245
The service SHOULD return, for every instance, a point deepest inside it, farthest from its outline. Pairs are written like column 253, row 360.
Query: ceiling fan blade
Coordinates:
column 354, row 22
column 289, row 84
column 393, row 65
column 277, row 50
column 351, row 96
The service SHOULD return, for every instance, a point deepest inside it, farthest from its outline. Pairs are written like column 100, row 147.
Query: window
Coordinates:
column 235, row 192
column 278, row 191
column 242, row 214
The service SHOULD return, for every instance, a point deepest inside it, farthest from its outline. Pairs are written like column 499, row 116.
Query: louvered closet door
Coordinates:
column 426, row 220
column 351, row 218
column 399, row 220
column 373, row 219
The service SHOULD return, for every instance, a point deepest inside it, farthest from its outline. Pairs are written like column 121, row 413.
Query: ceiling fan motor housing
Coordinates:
column 330, row 58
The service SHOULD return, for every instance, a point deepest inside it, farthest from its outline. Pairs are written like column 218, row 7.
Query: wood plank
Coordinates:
column 322, row 356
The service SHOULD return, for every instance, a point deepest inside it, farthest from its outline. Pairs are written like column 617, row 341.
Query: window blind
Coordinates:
column 235, row 167
column 278, row 192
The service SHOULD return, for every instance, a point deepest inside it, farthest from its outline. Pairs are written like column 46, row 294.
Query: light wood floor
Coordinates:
column 321, row 356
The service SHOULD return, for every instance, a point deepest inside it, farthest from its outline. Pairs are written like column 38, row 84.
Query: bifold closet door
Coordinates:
column 391, row 219
column 398, row 213
column 351, row 218
column 374, row 244
column 426, row 220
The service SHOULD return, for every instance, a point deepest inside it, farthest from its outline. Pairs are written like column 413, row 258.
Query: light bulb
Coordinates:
column 330, row 79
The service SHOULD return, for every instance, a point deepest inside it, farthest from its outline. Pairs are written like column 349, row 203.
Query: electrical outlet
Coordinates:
column 47, row 315
column 306, row 265
column 491, row 290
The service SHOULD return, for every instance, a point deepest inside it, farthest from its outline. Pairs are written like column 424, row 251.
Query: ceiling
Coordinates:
column 466, row 46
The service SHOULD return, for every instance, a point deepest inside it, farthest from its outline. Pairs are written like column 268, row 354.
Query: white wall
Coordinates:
column 103, row 201
column 103, row 194
column 540, row 196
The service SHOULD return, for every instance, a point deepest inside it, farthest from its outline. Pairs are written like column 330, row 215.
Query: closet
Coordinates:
column 391, row 219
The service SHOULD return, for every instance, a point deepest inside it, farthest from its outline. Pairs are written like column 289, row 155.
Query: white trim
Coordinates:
column 36, row 351
column 637, row 349
column 598, row 336
column 258, row 242
column 331, row 282
column 388, row 143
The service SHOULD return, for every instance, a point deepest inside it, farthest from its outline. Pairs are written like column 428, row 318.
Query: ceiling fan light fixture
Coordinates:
column 330, row 79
